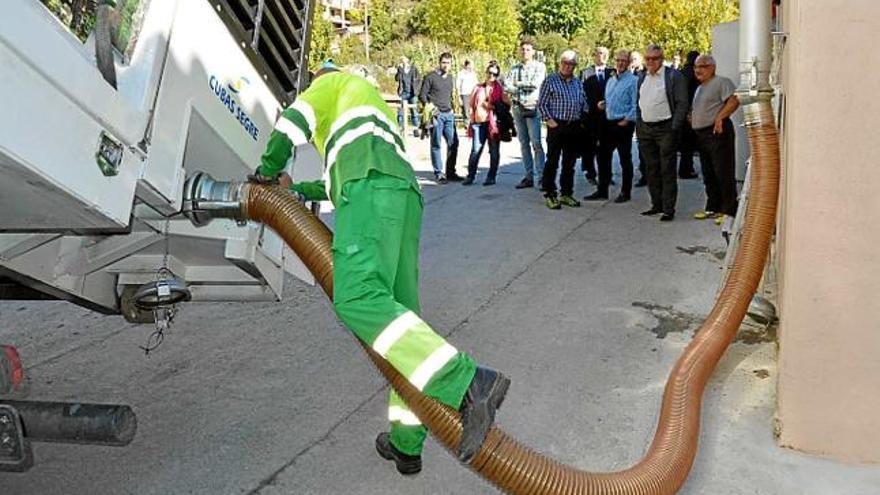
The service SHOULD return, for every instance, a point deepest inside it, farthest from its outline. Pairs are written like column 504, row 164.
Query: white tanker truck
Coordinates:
column 97, row 141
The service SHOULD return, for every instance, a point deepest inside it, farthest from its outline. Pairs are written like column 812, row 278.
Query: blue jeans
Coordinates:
column 481, row 135
column 413, row 109
column 444, row 126
column 528, row 131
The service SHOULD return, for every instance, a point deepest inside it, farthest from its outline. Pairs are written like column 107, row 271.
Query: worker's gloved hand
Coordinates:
column 299, row 196
column 258, row 178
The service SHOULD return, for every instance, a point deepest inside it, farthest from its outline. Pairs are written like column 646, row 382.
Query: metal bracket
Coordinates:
column 15, row 451
column 109, row 155
column 161, row 293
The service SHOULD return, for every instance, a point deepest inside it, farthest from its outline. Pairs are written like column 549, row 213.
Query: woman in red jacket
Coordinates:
column 483, row 125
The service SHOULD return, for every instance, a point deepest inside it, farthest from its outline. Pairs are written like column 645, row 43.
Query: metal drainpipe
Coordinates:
column 754, row 51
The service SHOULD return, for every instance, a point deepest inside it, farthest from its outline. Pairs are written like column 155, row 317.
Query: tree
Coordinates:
column 379, row 21
column 566, row 17
column 676, row 25
column 551, row 45
column 322, row 35
column 490, row 25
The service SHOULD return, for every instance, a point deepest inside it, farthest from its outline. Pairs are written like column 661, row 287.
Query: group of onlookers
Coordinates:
column 590, row 116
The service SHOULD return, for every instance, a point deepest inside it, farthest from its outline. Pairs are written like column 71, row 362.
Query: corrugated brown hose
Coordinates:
column 513, row 467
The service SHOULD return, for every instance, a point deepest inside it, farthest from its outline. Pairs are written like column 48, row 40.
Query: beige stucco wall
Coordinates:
column 829, row 368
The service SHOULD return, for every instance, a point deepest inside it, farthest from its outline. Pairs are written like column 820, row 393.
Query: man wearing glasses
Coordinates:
column 561, row 103
column 620, row 122
column 661, row 113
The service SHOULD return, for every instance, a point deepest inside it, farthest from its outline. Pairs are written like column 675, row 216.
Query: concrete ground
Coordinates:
column 586, row 309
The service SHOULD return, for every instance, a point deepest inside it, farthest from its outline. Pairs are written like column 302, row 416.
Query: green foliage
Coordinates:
column 417, row 20
column 552, row 45
column 320, row 48
column 378, row 13
column 490, row 25
column 126, row 10
column 351, row 51
column 77, row 15
column 566, row 17
column 676, row 25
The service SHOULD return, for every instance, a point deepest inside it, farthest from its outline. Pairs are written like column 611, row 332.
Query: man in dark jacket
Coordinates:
column 437, row 89
column 661, row 114
column 407, row 78
column 599, row 140
column 688, row 138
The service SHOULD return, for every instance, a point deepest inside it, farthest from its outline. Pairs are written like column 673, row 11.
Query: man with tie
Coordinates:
column 599, row 143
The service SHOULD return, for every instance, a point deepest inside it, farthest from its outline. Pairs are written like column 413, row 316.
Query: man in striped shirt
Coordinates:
column 378, row 203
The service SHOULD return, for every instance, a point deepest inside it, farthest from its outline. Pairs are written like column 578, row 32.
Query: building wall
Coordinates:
column 829, row 367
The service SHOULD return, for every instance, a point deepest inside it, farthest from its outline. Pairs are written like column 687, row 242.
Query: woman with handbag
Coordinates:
column 483, row 125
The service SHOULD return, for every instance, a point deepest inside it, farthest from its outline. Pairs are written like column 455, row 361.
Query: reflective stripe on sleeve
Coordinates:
column 307, row 112
column 292, row 131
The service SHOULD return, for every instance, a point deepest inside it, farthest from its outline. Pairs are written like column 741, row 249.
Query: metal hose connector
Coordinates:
column 513, row 467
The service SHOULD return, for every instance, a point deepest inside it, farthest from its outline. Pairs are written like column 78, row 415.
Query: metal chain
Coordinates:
column 162, row 315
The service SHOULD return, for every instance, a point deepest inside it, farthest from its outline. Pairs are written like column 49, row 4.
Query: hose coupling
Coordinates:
column 205, row 199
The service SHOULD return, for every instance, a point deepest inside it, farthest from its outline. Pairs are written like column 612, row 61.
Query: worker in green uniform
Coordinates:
column 368, row 178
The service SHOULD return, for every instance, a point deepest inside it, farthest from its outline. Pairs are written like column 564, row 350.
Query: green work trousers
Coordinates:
column 376, row 295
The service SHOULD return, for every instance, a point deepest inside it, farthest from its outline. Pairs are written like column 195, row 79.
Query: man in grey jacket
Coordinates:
column 661, row 114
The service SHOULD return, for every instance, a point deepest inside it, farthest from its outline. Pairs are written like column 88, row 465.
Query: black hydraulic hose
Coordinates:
column 104, row 43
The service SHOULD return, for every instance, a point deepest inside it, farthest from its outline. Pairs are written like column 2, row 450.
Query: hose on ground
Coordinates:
column 513, row 467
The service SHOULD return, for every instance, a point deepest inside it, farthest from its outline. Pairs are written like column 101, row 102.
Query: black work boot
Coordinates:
column 406, row 464
column 483, row 397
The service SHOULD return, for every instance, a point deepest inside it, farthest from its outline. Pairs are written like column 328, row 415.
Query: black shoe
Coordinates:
column 525, row 184
column 592, row 181
column 621, row 198
column 596, row 196
column 489, row 182
column 406, row 464
column 483, row 397
column 688, row 175
column 613, row 183
column 667, row 217
column 652, row 211
column 440, row 178
column 641, row 183
column 454, row 178
column 467, row 182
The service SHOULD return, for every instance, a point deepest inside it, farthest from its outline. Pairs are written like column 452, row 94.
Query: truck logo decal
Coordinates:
column 226, row 94
column 238, row 85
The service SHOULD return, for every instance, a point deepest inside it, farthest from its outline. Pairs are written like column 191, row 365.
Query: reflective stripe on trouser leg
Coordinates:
column 407, row 433
column 413, row 348
column 375, row 257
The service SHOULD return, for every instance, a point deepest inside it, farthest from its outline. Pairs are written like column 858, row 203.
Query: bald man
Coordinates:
column 714, row 103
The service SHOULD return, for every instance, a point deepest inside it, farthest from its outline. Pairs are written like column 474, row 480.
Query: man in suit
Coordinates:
column 407, row 78
column 688, row 139
column 601, row 142
column 661, row 114
column 592, row 125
